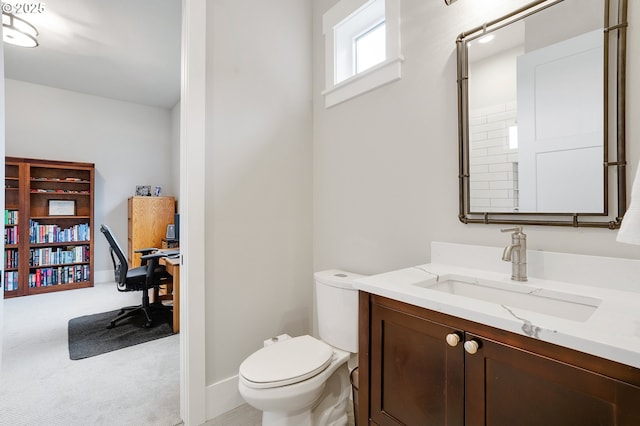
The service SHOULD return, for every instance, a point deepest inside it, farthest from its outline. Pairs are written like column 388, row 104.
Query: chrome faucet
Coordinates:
column 516, row 253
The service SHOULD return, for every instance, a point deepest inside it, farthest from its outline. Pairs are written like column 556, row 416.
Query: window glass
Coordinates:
column 371, row 48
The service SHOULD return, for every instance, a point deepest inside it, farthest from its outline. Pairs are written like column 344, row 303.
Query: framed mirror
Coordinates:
column 541, row 108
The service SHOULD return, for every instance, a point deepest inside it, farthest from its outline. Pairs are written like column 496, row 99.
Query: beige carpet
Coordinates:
column 40, row 385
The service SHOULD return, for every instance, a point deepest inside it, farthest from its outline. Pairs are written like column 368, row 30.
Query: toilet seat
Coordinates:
column 285, row 363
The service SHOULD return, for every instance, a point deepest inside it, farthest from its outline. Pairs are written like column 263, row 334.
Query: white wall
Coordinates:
column 492, row 80
column 258, row 178
column 175, row 151
column 130, row 145
column 386, row 163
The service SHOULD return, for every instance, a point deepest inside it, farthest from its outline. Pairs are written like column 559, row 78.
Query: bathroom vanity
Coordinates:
column 434, row 353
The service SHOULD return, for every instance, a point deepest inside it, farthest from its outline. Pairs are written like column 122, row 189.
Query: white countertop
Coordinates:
column 611, row 332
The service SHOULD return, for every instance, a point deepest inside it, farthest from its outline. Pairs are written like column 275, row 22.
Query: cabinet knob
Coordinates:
column 453, row 339
column 471, row 346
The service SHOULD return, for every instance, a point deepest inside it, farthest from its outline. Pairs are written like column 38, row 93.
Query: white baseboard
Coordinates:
column 223, row 396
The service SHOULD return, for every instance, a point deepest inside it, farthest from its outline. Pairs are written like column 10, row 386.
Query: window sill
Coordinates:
column 379, row 75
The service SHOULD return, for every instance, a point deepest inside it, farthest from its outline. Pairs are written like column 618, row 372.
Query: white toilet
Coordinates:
column 303, row 381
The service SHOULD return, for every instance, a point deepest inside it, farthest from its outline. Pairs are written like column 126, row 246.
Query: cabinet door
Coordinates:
column 416, row 377
column 148, row 220
column 510, row 386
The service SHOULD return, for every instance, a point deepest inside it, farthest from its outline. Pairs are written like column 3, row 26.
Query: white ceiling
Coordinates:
column 121, row 49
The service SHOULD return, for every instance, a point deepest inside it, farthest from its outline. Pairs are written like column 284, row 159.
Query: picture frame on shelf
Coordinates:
column 62, row 207
column 143, row 190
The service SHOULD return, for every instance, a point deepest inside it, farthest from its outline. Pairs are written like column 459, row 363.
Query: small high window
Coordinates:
column 362, row 42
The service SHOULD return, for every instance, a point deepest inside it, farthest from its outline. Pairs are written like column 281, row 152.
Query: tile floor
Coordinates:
column 245, row 415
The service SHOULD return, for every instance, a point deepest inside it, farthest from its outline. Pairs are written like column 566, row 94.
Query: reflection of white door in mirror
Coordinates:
column 560, row 129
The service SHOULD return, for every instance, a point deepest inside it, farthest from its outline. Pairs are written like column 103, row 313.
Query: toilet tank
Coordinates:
column 337, row 308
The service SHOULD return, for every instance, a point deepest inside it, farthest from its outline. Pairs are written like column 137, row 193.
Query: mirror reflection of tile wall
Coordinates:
column 494, row 158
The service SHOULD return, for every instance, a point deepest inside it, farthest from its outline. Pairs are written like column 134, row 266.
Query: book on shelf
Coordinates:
column 11, row 259
column 11, row 217
column 11, row 235
column 55, row 179
column 46, row 277
column 55, row 234
column 10, row 280
column 58, row 255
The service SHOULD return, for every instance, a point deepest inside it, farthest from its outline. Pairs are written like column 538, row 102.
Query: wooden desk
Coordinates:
column 173, row 268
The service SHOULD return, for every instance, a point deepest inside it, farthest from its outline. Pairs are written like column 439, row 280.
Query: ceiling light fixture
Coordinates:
column 17, row 31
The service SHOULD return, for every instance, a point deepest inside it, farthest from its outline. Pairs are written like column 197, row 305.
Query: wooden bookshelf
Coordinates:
column 48, row 226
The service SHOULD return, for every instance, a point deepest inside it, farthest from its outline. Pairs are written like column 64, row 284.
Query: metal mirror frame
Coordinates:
column 615, row 34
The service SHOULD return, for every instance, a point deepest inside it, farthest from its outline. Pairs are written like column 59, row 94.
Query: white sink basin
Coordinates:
column 517, row 295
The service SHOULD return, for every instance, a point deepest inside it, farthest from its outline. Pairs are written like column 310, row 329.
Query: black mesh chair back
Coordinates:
column 149, row 275
column 120, row 264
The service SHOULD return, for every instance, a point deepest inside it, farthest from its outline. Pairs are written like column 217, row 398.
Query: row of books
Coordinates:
column 11, row 235
column 45, row 277
column 58, row 255
column 11, row 217
column 55, row 234
column 65, row 191
column 10, row 280
column 11, row 259
column 55, row 179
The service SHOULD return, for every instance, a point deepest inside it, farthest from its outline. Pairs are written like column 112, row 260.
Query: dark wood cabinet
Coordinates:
column 417, row 380
column 506, row 385
column 415, row 370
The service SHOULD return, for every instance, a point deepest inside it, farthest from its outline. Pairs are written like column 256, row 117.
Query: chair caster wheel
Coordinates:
column 147, row 324
column 111, row 325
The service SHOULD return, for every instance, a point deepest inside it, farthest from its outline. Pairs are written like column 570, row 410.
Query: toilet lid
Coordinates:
column 287, row 362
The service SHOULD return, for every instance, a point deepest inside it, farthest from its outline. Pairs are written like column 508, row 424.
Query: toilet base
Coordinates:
column 329, row 410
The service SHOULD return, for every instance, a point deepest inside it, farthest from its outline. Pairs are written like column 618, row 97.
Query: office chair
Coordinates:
column 150, row 275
